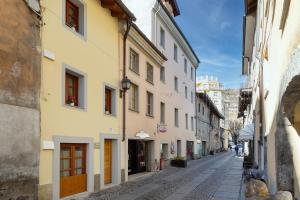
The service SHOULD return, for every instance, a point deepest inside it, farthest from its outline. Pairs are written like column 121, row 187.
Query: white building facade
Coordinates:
column 270, row 99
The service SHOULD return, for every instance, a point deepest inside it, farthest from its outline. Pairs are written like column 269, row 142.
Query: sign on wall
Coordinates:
column 161, row 128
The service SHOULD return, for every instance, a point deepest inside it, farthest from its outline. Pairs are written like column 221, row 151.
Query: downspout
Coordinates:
column 128, row 26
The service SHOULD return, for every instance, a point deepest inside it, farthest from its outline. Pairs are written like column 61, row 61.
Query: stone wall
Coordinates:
column 20, row 68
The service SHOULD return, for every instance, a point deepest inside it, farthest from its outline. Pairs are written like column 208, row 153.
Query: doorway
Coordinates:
column 107, row 161
column 189, row 150
column 203, row 148
column 137, row 156
column 73, row 176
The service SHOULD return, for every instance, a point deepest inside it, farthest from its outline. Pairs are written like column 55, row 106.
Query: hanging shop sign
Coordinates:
column 161, row 128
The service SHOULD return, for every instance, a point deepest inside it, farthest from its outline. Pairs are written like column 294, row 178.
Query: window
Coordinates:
column 186, row 92
column 203, row 110
column 162, row 74
column 176, row 83
column 74, row 89
column 176, row 122
column 192, row 123
column 71, row 89
column 134, row 97
column 110, row 97
column 149, row 73
column 199, row 107
column 186, row 121
column 175, row 52
column 185, row 66
column 134, row 61
column 162, row 37
column 149, row 104
column 192, row 73
column 72, row 159
column 74, row 16
column 192, row 97
column 162, row 112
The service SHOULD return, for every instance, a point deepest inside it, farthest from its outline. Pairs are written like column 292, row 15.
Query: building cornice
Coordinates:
column 176, row 33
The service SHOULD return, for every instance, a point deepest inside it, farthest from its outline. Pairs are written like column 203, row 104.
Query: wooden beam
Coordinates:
column 107, row 3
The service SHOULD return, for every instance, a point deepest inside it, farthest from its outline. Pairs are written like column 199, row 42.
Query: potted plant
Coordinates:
column 71, row 100
column 178, row 161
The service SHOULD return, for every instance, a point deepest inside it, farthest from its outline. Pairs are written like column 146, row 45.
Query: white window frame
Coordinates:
column 162, row 74
column 137, row 62
column 162, row 41
column 186, row 121
column 162, row 113
column 150, row 105
column 176, row 117
column 149, row 77
column 136, row 109
column 175, row 56
column 176, row 83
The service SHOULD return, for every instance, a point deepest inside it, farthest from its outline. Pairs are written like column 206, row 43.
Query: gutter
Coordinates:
column 128, row 26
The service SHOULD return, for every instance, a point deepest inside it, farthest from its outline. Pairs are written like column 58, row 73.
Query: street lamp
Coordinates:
column 126, row 83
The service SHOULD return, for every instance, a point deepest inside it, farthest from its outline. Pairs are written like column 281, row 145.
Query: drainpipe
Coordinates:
column 128, row 26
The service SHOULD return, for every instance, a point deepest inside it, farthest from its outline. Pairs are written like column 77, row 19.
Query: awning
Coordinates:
column 247, row 133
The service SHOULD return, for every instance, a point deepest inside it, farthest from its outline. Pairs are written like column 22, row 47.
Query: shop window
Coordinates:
column 134, row 61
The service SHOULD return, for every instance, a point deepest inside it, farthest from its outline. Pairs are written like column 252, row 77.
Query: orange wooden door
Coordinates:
column 107, row 161
column 73, row 177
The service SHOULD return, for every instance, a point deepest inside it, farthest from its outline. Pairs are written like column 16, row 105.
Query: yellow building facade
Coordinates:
column 80, row 104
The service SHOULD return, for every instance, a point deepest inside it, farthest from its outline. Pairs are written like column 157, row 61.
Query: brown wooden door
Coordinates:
column 108, row 161
column 73, row 177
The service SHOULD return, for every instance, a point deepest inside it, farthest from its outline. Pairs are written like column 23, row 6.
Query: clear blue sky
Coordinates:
column 214, row 29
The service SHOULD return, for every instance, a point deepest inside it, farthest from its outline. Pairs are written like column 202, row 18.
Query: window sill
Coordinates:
column 132, row 110
column 75, row 107
column 110, row 115
column 150, row 116
column 82, row 36
column 150, row 82
column 137, row 73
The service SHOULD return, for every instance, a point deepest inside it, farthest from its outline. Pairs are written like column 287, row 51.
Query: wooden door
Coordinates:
column 73, row 177
column 108, row 161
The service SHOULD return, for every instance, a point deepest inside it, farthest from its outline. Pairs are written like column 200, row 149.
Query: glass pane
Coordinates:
column 78, row 163
column 65, row 152
column 78, row 171
column 65, row 164
column 65, row 173
column 78, row 152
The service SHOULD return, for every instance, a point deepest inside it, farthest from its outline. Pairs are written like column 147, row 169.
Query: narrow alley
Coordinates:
column 217, row 177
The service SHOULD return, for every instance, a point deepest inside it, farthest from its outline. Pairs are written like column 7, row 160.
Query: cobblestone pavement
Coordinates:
column 215, row 177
